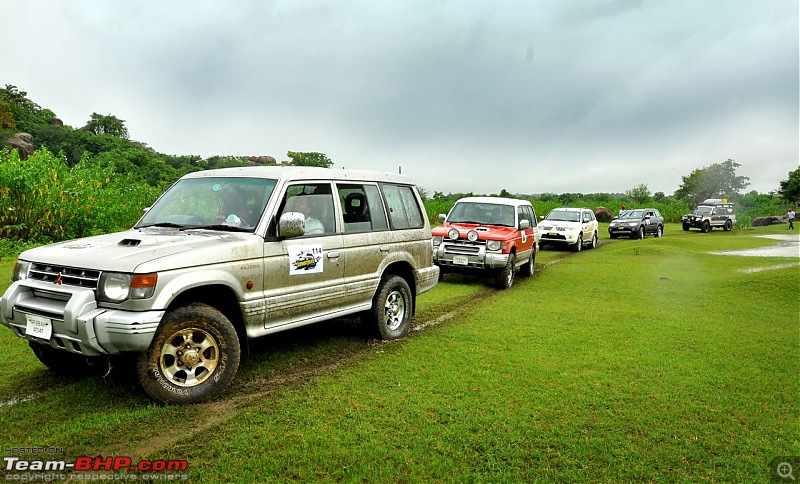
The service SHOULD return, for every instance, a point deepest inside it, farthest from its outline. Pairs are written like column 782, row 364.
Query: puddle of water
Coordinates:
column 789, row 246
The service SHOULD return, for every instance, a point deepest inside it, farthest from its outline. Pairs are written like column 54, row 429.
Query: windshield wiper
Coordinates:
column 161, row 224
column 227, row 228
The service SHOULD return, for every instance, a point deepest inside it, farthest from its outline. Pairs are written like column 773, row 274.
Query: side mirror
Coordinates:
column 145, row 210
column 292, row 224
column 524, row 224
column 442, row 217
column 541, row 217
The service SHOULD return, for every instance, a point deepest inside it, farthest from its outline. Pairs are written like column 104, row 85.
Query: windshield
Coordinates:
column 564, row 216
column 482, row 214
column 233, row 204
column 635, row 214
column 702, row 210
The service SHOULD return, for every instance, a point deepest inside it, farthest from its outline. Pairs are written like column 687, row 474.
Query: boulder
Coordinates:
column 23, row 143
column 57, row 122
column 266, row 160
column 603, row 214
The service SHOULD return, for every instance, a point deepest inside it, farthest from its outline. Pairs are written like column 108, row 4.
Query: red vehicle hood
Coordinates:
column 485, row 232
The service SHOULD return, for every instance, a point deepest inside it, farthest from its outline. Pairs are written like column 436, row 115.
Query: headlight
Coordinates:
column 437, row 240
column 20, row 270
column 493, row 244
column 117, row 287
column 453, row 234
column 633, row 224
column 472, row 236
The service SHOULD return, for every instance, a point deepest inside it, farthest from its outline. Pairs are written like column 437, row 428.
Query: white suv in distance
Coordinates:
column 573, row 227
column 222, row 257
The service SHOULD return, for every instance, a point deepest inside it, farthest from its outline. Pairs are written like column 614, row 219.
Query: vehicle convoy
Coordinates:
column 222, row 257
column 713, row 212
column 572, row 227
column 637, row 224
column 487, row 235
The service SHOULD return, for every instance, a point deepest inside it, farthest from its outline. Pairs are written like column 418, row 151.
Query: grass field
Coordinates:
column 640, row 360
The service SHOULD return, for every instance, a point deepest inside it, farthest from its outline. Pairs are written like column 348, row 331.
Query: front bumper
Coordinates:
column 623, row 230
column 461, row 257
column 569, row 238
column 78, row 325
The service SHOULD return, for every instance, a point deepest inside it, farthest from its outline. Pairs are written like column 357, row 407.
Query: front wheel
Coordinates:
column 686, row 227
column 640, row 234
column 728, row 226
column 64, row 363
column 392, row 307
column 706, row 227
column 660, row 231
column 578, row 245
column 594, row 241
column 192, row 358
column 504, row 279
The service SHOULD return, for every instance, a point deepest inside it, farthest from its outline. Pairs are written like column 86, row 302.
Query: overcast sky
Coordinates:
column 528, row 96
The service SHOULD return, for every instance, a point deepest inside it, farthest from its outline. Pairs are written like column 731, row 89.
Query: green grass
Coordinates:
column 641, row 360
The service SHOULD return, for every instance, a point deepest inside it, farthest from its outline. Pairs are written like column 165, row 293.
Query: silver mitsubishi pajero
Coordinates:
column 224, row 256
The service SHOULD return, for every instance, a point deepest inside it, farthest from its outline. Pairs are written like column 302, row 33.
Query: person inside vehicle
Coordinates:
column 305, row 205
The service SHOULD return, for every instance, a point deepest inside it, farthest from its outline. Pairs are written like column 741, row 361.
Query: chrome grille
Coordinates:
column 68, row 276
column 463, row 248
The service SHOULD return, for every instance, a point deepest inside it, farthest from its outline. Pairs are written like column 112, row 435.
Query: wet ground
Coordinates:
column 788, row 246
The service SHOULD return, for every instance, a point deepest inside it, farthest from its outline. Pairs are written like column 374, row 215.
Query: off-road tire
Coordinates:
column 613, row 236
column 193, row 357
column 728, row 226
column 504, row 278
column 706, row 227
column 686, row 227
column 392, row 307
column 64, row 363
column 529, row 266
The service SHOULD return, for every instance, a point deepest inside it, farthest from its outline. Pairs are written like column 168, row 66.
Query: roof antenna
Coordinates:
column 400, row 170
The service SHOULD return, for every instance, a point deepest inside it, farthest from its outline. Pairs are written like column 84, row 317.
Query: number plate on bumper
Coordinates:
column 460, row 260
column 38, row 327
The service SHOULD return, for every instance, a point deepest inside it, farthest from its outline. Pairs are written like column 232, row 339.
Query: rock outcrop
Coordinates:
column 23, row 143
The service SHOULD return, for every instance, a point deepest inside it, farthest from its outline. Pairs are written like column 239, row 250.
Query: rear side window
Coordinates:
column 362, row 208
column 404, row 213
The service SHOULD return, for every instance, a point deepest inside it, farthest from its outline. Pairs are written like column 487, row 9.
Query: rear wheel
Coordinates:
column 504, row 278
column 392, row 307
column 527, row 269
column 706, row 227
column 192, row 358
column 728, row 226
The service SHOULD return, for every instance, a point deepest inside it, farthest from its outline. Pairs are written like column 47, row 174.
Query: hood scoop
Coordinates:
column 482, row 229
column 130, row 242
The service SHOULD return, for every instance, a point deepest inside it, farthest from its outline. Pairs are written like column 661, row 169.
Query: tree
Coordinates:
column 715, row 181
column 639, row 194
column 99, row 124
column 790, row 188
column 6, row 116
column 299, row 158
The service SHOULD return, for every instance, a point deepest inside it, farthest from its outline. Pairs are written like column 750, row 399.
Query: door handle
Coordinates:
column 384, row 248
column 333, row 255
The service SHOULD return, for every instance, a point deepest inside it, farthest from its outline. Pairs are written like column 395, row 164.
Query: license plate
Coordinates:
column 553, row 234
column 38, row 327
column 460, row 260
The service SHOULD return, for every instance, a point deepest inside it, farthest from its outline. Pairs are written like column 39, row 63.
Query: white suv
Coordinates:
column 574, row 227
column 225, row 256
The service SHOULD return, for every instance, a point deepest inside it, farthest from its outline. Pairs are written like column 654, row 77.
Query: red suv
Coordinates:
column 487, row 235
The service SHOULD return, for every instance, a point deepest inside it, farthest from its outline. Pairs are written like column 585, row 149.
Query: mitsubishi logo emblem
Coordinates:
column 58, row 280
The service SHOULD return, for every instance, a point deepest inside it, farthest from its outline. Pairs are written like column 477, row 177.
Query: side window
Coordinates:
column 315, row 201
column 530, row 214
column 362, row 209
column 404, row 213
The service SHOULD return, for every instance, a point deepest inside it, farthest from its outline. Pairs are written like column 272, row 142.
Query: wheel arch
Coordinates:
column 405, row 270
column 220, row 297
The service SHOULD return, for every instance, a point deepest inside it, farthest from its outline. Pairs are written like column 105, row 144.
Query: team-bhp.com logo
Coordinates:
column 56, row 469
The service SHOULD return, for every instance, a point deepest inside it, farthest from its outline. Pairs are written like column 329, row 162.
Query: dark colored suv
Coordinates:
column 637, row 223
